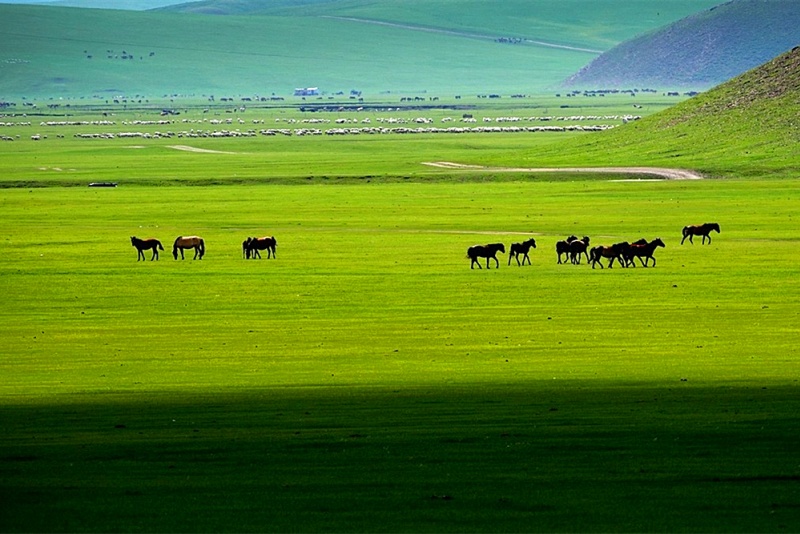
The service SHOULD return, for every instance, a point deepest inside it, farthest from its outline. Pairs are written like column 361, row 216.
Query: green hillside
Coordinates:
column 70, row 52
column 591, row 24
column 748, row 126
column 700, row 51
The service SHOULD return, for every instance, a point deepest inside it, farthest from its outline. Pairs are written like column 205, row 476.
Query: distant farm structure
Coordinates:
column 306, row 91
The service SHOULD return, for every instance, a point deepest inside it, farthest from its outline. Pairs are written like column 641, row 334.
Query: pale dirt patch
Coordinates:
column 196, row 150
column 661, row 172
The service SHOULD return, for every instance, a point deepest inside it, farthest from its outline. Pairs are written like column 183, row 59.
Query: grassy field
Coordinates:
column 71, row 53
column 62, row 157
column 367, row 379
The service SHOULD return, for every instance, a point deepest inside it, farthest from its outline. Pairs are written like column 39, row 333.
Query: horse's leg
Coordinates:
column 155, row 254
column 526, row 257
column 510, row 255
column 496, row 261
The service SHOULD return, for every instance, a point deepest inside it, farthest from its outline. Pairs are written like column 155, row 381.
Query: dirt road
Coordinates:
column 659, row 173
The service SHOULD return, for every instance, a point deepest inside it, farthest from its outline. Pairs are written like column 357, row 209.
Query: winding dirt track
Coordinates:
column 656, row 172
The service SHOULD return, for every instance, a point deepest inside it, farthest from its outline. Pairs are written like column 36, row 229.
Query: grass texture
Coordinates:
column 367, row 379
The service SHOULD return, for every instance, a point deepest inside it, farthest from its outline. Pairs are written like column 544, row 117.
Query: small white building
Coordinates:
column 306, row 91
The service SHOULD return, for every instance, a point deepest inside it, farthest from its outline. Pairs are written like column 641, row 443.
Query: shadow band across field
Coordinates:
column 522, row 457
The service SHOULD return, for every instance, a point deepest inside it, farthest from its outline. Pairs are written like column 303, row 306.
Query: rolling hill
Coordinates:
column 411, row 47
column 752, row 118
column 700, row 51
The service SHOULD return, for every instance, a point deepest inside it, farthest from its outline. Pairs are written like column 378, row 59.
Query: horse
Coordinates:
column 644, row 251
column 703, row 230
column 521, row 248
column 578, row 247
column 254, row 244
column 484, row 251
column 562, row 247
column 146, row 244
column 627, row 256
column 616, row 251
column 192, row 241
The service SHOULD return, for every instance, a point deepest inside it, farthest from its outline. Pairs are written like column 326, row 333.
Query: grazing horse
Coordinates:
column 562, row 247
column 644, row 251
column 484, row 251
column 192, row 241
column 703, row 230
column 616, row 251
column 254, row 244
column 146, row 244
column 578, row 247
column 521, row 248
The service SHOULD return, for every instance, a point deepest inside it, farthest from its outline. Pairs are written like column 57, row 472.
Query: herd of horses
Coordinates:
column 250, row 247
column 181, row 243
column 572, row 249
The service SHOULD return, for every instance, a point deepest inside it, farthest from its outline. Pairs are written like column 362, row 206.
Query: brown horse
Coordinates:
column 521, row 248
column 562, row 247
column 192, row 241
column 146, row 244
column 616, row 251
column 485, row 251
column 578, row 247
column 644, row 251
column 254, row 244
column 702, row 229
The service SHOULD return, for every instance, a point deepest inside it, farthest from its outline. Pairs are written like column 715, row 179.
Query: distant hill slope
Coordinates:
column 748, row 122
column 699, row 51
column 335, row 45
column 590, row 24
column 135, row 5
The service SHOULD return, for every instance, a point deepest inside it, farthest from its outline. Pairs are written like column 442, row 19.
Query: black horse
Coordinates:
column 645, row 251
column 702, row 229
column 578, row 247
column 521, row 248
column 562, row 247
column 484, row 251
column 617, row 251
column 146, row 244
column 252, row 246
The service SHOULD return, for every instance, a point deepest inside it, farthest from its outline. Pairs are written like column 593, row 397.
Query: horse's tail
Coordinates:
column 160, row 246
column 685, row 231
column 202, row 247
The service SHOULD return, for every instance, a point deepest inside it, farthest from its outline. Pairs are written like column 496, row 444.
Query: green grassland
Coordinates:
column 61, row 157
column 367, row 379
column 70, row 52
